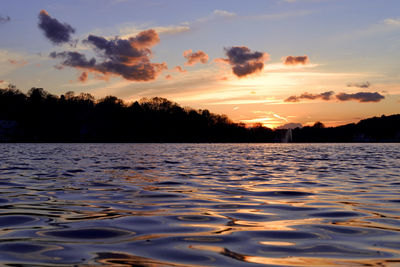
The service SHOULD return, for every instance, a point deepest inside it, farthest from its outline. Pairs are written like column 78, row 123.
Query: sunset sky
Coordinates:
column 269, row 61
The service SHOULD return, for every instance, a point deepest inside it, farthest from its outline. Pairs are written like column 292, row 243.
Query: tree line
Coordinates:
column 39, row 116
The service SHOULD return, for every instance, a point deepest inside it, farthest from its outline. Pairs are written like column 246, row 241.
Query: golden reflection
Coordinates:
column 277, row 243
column 285, row 225
column 303, row 261
column 296, row 261
column 123, row 259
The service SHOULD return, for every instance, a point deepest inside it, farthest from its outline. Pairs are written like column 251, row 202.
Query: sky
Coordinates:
column 274, row 62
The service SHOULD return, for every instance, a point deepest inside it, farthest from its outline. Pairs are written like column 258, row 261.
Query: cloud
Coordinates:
column 168, row 77
column 393, row 22
column 179, row 69
column 57, row 32
column 126, row 31
column 268, row 119
column 17, row 62
column 217, row 14
column 4, row 19
column 324, row 96
column 195, row 57
column 224, row 13
column 128, row 50
column 174, row 29
column 83, row 77
column 360, row 85
column 129, row 58
column 280, row 16
column 360, row 97
column 296, row 60
column 243, row 61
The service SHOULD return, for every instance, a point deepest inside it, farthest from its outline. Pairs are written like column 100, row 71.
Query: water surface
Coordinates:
column 200, row 204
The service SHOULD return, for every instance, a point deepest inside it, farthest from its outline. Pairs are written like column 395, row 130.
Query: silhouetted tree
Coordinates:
column 43, row 117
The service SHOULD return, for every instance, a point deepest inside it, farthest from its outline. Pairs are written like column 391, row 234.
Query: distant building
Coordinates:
column 8, row 130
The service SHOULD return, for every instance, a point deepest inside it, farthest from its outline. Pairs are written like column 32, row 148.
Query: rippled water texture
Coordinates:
column 200, row 204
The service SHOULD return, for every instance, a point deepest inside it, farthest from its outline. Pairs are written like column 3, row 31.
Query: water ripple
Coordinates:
column 199, row 204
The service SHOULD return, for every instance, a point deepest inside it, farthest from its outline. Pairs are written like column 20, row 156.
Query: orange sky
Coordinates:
column 274, row 62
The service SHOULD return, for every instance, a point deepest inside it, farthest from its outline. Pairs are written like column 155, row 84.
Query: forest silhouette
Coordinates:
column 39, row 116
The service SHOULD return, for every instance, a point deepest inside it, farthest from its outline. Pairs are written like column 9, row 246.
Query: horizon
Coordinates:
column 275, row 62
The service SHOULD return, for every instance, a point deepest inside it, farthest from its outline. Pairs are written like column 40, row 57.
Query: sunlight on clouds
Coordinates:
column 130, row 31
column 391, row 21
column 11, row 61
column 238, row 101
column 224, row 13
column 271, row 87
column 268, row 119
column 278, row 83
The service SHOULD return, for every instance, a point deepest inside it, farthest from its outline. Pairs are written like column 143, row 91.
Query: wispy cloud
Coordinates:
column 281, row 67
column 268, row 119
column 172, row 29
column 380, row 27
column 20, row 62
column 216, row 14
column 361, row 97
column 11, row 60
column 127, row 31
column 195, row 57
column 238, row 101
column 224, row 13
column 278, row 16
column 360, row 85
column 4, row 19
column 323, row 96
column 392, row 21
column 83, row 77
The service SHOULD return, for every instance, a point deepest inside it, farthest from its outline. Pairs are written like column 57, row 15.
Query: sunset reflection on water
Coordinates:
column 200, row 204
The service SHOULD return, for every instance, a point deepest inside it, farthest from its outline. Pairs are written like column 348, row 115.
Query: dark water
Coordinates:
column 200, row 204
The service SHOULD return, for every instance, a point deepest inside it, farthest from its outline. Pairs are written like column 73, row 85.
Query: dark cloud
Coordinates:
column 360, row 85
column 83, row 77
column 129, row 50
column 74, row 59
column 116, row 49
column 324, row 96
column 145, row 39
column 195, row 57
column 360, row 97
column 129, row 58
column 4, row 19
column 243, row 61
column 55, row 31
column 292, row 98
column 296, row 60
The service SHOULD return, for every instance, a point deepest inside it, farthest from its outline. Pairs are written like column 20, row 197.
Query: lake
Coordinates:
column 200, row 204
